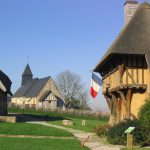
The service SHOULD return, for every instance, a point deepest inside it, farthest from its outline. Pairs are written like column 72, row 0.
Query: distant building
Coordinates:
column 37, row 93
column 5, row 85
column 125, row 68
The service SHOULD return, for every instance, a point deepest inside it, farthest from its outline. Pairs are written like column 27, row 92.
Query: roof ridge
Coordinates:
column 45, row 77
column 45, row 83
column 145, row 5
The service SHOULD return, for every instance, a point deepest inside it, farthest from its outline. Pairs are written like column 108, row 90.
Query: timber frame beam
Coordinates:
column 108, row 101
column 121, row 70
column 115, row 101
column 122, row 96
column 126, row 98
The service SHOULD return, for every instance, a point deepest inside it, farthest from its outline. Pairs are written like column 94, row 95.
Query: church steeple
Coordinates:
column 27, row 75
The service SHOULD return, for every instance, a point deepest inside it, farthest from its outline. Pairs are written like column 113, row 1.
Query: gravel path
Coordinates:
column 36, row 137
column 93, row 141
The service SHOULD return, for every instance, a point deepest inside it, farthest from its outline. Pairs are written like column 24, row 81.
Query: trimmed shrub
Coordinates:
column 116, row 134
column 141, row 134
column 146, row 142
column 102, row 130
column 144, row 116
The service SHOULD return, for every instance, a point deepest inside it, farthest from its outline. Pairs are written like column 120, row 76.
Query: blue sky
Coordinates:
column 57, row 35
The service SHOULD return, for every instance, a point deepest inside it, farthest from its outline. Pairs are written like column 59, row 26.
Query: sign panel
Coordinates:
column 129, row 130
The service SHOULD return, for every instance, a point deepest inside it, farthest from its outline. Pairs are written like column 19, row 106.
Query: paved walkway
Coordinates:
column 93, row 141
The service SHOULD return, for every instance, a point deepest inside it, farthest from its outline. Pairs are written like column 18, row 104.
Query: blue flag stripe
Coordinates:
column 97, row 79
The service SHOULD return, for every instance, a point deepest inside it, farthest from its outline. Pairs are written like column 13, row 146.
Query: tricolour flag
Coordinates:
column 96, row 83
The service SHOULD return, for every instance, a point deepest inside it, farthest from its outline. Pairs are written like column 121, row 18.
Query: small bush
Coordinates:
column 116, row 134
column 141, row 134
column 146, row 142
column 144, row 117
column 102, row 130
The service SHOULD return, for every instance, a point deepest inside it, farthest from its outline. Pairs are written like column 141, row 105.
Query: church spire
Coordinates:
column 27, row 71
column 27, row 75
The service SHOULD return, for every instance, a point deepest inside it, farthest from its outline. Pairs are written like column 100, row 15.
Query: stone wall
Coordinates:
column 8, row 119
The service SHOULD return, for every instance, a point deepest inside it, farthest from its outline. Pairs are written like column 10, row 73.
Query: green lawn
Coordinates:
column 39, row 144
column 137, row 149
column 31, row 129
column 55, row 115
column 56, row 118
column 90, row 124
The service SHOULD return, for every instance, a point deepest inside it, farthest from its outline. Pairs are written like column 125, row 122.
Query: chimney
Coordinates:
column 130, row 8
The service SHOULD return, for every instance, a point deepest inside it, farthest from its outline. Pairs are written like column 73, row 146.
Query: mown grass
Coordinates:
column 136, row 149
column 39, row 144
column 56, row 118
column 31, row 129
column 56, row 114
column 89, row 127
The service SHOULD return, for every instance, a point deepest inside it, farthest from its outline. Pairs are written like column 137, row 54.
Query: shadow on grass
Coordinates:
column 31, row 117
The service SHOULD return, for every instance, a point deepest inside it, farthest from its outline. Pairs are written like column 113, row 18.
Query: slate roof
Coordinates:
column 32, row 88
column 27, row 71
column 45, row 95
column 134, row 37
column 6, row 82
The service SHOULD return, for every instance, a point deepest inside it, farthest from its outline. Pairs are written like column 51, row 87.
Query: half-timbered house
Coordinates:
column 125, row 68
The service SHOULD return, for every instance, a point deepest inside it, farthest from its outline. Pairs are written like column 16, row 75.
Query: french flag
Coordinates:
column 96, row 83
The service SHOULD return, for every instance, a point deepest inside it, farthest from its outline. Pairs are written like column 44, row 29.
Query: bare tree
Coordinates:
column 72, row 89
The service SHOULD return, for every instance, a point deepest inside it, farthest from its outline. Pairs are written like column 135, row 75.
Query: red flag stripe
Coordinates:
column 93, row 92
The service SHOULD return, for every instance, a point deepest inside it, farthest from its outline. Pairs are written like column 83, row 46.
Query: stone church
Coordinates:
column 37, row 93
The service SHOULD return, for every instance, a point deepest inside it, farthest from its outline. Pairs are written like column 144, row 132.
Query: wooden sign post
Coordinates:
column 83, row 122
column 129, row 137
column 129, row 141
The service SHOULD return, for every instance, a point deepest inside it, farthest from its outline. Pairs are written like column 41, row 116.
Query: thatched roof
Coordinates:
column 6, row 82
column 134, row 37
column 131, row 2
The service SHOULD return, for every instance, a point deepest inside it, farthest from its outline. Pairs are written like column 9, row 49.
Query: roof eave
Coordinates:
column 101, row 63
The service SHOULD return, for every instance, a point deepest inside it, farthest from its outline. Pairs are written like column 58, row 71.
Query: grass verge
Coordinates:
column 31, row 129
column 56, row 115
column 56, row 118
column 39, row 144
column 137, row 149
column 89, row 127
